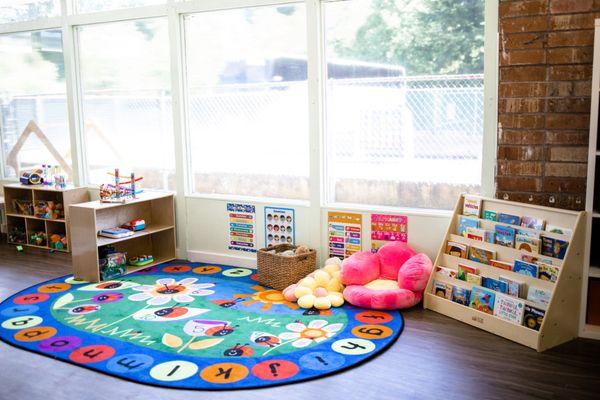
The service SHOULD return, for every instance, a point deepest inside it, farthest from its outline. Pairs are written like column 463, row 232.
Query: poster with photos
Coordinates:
column 388, row 228
column 345, row 233
column 279, row 226
column 242, row 227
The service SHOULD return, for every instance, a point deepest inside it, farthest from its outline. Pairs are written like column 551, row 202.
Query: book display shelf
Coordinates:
column 38, row 211
column 157, row 239
column 543, row 323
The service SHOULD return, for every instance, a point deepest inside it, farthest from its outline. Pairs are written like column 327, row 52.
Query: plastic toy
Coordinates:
column 17, row 235
column 32, row 177
column 135, row 225
column 321, row 289
column 119, row 192
column 38, row 238
column 24, row 207
column 112, row 263
column 392, row 278
column 48, row 209
column 140, row 261
column 58, row 241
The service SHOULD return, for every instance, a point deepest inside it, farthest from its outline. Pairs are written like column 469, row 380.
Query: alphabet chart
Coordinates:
column 387, row 228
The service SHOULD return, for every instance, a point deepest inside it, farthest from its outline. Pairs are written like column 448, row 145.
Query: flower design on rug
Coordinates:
column 168, row 289
column 303, row 335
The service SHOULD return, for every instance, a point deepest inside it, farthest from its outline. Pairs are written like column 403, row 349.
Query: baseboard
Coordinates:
column 220, row 258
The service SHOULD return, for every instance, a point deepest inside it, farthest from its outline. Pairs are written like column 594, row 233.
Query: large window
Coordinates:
column 25, row 10
column 127, row 115
column 248, row 101
column 404, row 110
column 84, row 6
column 33, row 105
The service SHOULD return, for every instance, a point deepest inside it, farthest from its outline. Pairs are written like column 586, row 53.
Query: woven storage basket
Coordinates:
column 278, row 272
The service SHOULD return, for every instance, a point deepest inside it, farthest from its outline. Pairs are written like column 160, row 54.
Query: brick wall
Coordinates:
column 546, row 49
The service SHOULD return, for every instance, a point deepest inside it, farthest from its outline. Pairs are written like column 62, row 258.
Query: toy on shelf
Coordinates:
column 38, row 238
column 135, row 225
column 58, row 241
column 32, row 177
column 17, row 235
column 119, row 192
column 141, row 260
column 321, row 289
column 115, row 233
column 23, row 207
column 112, row 262
column 48, row 209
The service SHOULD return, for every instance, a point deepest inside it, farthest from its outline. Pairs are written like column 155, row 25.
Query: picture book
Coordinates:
column 460, row 295
column 505, row 235
column 442, row 289
column 559, row 230
column 481, row 255
column 538, row 295
column 476, row 234
column 494, row 284
column 552, row 247
column 509, row 309
column 472, row 206
column 466, row 222
column 489, row 237
column 547, row 272
column 482, row 299
column 463, row 270
column 526, row 243
column 115, row 233
column 474, row 279
column 533, row 317
column 509, row 219
column 533, row 223
column 525, row 232
column 457, row 249
column 513, row 287
column 449, row 272
column 525, row 268
column 491, row 215
column 535, row 259
column 501, row 264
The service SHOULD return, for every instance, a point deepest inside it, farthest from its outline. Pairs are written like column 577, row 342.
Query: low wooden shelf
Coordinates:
column 30, row 223
column 561, row 319
column 157, row 239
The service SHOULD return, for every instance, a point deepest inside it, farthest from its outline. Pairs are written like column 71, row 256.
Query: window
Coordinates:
column 404, row 101
column 33, row 106
column 85, row 6
column 127, row 115
column 248, row 101
column 26, row 10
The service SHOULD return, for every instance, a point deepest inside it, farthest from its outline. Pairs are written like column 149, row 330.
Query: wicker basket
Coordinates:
column 278, row 272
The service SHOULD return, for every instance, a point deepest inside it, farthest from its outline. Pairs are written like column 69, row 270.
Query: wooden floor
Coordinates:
column 435, row 358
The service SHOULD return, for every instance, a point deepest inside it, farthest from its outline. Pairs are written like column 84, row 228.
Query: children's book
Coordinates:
column 460, row 295
column 526, row 243
column 472, row 206
column 535, row 259
column 442, row 289
column 531, row 234
column 505, row 235
column 476, row 234
column 457, row 249
column 552, row 247
column 525, row 268
column 533, row 223
column 115, row 233
column 449, row 272
column 466, row 222
column 463, row 270
column 489, row 237
column 482, row 299
column 533, row 317
column 501, row 264
column 481, row 255
column 513, row 287
column 547, row 272
column 474, row 279
column 509, row 219
column 491, row 215
column 559, row 230
column 538, row 295
column 494, row 284
column 509, row 308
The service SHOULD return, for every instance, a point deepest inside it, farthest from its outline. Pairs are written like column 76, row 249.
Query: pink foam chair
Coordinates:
column 392, row 278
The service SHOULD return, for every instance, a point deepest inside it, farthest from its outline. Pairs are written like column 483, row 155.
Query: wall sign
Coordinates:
column 388, row 228
column 345, row 233
column 279, row 226
column 242, row 227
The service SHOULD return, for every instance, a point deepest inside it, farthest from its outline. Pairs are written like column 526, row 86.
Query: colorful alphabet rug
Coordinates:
column 193, row 326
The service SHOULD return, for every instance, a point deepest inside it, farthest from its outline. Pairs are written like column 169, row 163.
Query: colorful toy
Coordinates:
column 38, row 238
column 392, row 278
column 140, row 261
column 321, row 289
column 48, row 209
column 112, row 263
column 32, row 177
column 23, row 207
column 58, row 241
column 135, row 225
column 17, row 235
column 119, row 192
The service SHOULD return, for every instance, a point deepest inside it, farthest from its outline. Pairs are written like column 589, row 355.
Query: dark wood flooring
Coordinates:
column 435, row 358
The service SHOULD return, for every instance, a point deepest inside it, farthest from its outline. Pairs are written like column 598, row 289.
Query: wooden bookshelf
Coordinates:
column 157, row 239
column 29, row 223
column 561, row 320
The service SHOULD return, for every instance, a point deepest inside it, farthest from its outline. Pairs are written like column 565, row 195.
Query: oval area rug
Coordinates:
column 192, row 326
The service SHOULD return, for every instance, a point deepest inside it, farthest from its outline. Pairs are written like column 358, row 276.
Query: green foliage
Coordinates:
column 425, row 37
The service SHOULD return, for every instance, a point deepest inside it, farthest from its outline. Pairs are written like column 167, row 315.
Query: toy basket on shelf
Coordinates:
column 279, row 271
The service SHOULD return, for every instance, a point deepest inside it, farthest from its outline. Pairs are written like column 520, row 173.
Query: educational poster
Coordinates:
column 387, row 228
column 279, row 226
column 345, row 231
column 242, row 227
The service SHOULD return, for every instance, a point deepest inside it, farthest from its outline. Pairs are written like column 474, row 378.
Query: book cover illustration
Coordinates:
column 513, row 287
column 442, row 289
column 463, row 270
column 466, row 222
column 482, row 299
column 509, row 219
column 501, row 264
column 489, row 237
column 472, row 206
column 559, row 230
column 533, row 223
column 509, row 309
column 481, row 255
column 445, row 271
column 525, row 268
column 533, row 317
column 552, row 247
column 476, row 234
column 494, row 284
column 531, row 234
column 538, row 295
column 526, row 243
column 456, row 249
column 535, row 259
column 490, row 215
column 547, row 272
column 460, row 295
column 474, row 279
column 505, row 236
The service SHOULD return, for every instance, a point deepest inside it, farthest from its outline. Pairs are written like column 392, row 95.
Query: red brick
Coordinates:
column 560, row 89
column 521, row 184
column 572, row 154
column 583, row 88
column 571, row 38
column 522, row 89
column 523, row 57
column 570, row 55
column 572, row 21
column 567, row 137
column 564, row 185
column 521, row 153
column 570, row 6
column 563, row 169
column 509, row 136
column 524, row 24
column 516, row 105
column 567, row 121
column 569, row 105
column 531, row 74
column 531, row 121
column 521, row 8
column 512, row 41
column 569, row 72
column 519, row 168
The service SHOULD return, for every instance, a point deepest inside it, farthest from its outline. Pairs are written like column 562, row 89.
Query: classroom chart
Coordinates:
column 242, row 227
column 345, row 233
column 279, row 226
column 388, row 228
